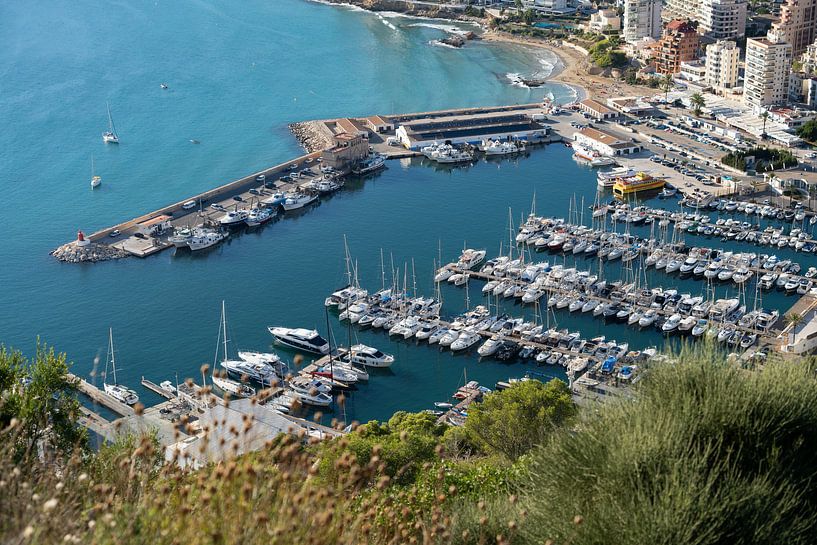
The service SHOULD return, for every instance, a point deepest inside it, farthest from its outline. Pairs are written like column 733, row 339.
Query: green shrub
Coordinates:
column 706, row 454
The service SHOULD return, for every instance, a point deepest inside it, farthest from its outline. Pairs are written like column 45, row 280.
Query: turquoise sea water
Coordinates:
column 237, row 75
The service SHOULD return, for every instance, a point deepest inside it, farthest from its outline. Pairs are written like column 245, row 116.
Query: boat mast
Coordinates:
column 224, row 326
column 348, row 262
column 110, row 119
column 110, row 358
column 382, row 272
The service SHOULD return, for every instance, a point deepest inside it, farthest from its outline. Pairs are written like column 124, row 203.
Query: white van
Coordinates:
column 189, row 205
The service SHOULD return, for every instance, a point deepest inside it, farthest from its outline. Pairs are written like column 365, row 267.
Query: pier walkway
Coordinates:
column 100, row 396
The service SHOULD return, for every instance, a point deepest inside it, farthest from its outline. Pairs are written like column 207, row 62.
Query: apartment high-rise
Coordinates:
column 642, row 19
column 797, row 24
column 679, row 43
column 722, row 19
column 719, row 19
column 722, row 59
column 768, row 61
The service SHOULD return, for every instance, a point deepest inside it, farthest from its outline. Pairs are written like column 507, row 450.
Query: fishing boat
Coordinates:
column 180, row 237
column 95, row 180
column 259, row 216
column 298, row 200
column 642, row 181
column 204, row 238
column 371, row 164
column 113, row 389
column 300, row 339
column 501, row 147
column 110, row 136
column 233, row 218
column 447, row 154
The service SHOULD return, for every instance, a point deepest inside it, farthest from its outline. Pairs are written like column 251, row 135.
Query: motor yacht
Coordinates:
column 649, row 318
column 300, row 339
column 309, row 394
column 368, row 356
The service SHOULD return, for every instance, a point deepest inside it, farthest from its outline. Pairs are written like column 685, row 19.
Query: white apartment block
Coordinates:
column 681, row 9
column 642, row 19
column 718, row 19
column 722, row 19
column 722, row 59
column 767, row 73
column 605, row 19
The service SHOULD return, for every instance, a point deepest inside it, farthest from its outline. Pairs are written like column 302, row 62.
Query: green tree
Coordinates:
column 529, row 16
column 698, row 102
column 808, row 130
column 792, row 321
column 403, row 444
column 39, row 396
column 764, row 116
column 513, row 421
column 667, row 83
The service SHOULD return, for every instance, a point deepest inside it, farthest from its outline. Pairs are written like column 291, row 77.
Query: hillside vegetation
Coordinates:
column 704, row 453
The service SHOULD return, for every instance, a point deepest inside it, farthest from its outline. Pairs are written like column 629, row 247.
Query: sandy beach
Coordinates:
column 572, row 70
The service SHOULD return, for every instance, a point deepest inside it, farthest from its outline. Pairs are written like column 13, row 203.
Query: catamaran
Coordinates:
column 117, row 391
column 110, row 136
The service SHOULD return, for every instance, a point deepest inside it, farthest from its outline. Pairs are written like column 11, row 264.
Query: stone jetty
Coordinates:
column 311, row 135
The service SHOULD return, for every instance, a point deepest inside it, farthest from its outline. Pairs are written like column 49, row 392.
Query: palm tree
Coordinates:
column 764, row 116
column 667, row 83
column 792, row 321
column 698, row 102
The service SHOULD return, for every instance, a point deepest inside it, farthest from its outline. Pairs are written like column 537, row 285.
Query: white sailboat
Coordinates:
column 110, row 136
column 256, row 369
column 117, row 391
column 232, row 387
column 95, row 180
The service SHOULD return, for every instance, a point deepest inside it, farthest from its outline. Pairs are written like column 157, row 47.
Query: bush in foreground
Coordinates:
column 707, row 454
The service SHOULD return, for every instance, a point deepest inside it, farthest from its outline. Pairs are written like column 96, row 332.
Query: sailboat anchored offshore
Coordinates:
column 110, row 136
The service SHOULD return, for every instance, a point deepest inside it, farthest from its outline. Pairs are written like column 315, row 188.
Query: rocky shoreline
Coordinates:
column 91, row 253
column 310, row 135
column 401, row 6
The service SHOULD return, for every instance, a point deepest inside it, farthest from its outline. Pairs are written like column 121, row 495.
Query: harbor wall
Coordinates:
column 206, row 196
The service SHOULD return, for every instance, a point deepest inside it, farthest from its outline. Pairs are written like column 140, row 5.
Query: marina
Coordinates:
column 576, row 345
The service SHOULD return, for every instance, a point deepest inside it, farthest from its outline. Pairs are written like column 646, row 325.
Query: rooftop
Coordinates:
column 597, row 106
column 603, row 137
